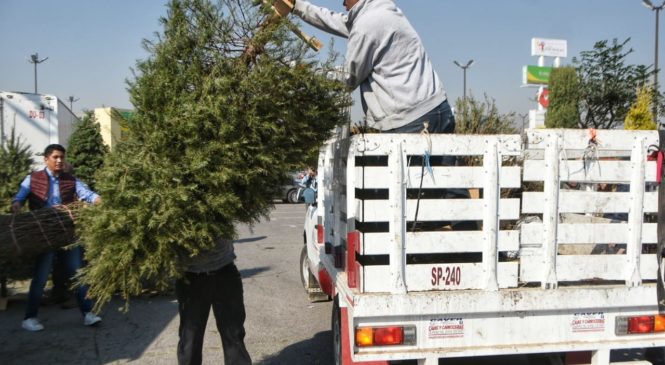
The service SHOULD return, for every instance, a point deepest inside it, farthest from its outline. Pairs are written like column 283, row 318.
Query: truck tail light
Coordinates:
column 639, row 325
column 385, row 336
column 352, row 266
column 320, row 233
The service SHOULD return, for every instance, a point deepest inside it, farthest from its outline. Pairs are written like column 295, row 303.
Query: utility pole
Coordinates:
column 34, row 59
column 468, row 64
column 523, row 116
column 71, row 102
column 657, row 10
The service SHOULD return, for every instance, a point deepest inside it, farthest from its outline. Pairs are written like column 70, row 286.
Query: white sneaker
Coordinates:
column 90, row 319
column 32, row 325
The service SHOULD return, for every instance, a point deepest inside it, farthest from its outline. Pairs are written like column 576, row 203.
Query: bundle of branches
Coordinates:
column 29, row 234
column 213, row 135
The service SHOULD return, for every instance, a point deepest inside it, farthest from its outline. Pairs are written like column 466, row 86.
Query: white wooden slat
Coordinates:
column 397, row 215
column 491, row 198
column 442, row 144
column 550, row 212
column 599, row 171
column 372, row 177
column 587, row 233
column 579, row 138
column 574, row 201
column 435, row 209
column 587, row 267
column 424, row 277
column 636, row 217
column 438, row 242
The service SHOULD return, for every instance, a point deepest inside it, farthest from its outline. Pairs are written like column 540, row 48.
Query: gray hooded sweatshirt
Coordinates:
column 385, row 57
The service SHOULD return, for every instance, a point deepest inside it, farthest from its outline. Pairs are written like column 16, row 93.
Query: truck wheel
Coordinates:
column 305, row 275
column 292, row 196
column 312, row 288
column 336, row 324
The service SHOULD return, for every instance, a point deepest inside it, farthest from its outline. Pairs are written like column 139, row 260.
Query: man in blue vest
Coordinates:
column 46, row 188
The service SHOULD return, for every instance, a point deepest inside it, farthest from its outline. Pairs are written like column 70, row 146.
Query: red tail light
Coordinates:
column 643, row 324
column 352, row 267
column 389, row 336
column 385, row 336
column 639, row 325
column 320, row 233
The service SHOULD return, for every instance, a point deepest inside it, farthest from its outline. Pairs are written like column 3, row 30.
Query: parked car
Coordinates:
column 289, row 192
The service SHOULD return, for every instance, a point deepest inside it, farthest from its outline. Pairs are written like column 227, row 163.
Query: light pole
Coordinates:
column 468, row 64
column 35, row 60
column 71, row 102
column 523, row 116
column 657, row 10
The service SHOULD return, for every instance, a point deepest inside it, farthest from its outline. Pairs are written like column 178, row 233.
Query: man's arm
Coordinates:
column 21, row 196
column 322, row 18
column 84, row 193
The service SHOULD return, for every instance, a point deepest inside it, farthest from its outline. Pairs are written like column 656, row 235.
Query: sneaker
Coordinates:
column 32, row 325
column 90, row 319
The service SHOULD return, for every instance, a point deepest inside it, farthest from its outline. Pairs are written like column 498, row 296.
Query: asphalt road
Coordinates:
column 282, row 326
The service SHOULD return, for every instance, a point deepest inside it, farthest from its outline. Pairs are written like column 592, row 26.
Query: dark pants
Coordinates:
column 73, row 261
column 439, row 120
column 196, row 293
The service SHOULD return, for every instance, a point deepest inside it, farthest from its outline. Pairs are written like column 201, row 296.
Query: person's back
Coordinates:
column 387, row 60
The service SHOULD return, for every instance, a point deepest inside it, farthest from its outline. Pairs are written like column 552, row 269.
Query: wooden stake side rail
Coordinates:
column 383, row 186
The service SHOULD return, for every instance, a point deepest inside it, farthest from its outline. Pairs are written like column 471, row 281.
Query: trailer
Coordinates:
column 37, row 119
column 554, row 252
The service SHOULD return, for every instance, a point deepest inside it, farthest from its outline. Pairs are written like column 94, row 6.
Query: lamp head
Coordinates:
column 648, row 4
column 470, row 63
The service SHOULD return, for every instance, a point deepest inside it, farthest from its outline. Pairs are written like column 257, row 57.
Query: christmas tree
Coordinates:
column 86, row 149
column 225, row 106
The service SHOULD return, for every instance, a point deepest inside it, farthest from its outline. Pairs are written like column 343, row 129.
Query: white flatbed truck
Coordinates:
column 522, row 278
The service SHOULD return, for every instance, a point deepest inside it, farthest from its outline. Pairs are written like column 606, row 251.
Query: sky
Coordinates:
column 92, row 45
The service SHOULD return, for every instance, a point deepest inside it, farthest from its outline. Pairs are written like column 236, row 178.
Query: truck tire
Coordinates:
column 309, row 283
column 336, row 326
column 292, row 196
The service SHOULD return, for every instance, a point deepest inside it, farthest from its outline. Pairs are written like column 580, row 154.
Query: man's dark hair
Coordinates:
column 53, row 147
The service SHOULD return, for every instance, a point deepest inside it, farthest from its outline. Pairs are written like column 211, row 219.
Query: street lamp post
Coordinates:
column 523, row 116
column 468, row 64
column 71, row 102
column 657, row 10
column 34, row 59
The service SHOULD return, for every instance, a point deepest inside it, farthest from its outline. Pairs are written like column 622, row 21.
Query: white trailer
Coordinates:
column 521, row 277
column 39, row 120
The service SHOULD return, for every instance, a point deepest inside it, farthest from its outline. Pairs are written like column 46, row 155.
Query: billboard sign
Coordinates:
column 549, row 47
column 536, row 75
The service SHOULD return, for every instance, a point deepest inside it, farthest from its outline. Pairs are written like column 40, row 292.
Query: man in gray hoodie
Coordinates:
column 399, row 88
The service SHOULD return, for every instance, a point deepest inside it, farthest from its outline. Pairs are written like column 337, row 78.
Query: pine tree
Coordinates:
column 563, row 110
column 225, row 108
column 640, row 116
column 86, row 149
column 15, row 164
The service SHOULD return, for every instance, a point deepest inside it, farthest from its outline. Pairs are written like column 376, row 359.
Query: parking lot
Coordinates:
column 282, row 326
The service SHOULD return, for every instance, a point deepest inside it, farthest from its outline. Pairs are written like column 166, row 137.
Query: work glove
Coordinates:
column 280, row 7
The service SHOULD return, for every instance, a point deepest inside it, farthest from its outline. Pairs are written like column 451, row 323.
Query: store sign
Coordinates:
column 536, row 75
column 549, row 47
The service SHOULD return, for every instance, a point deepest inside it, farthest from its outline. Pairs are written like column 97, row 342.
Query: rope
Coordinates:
column 11, row 229
column 590, row 154
column 425, row 161
column 41, row 229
